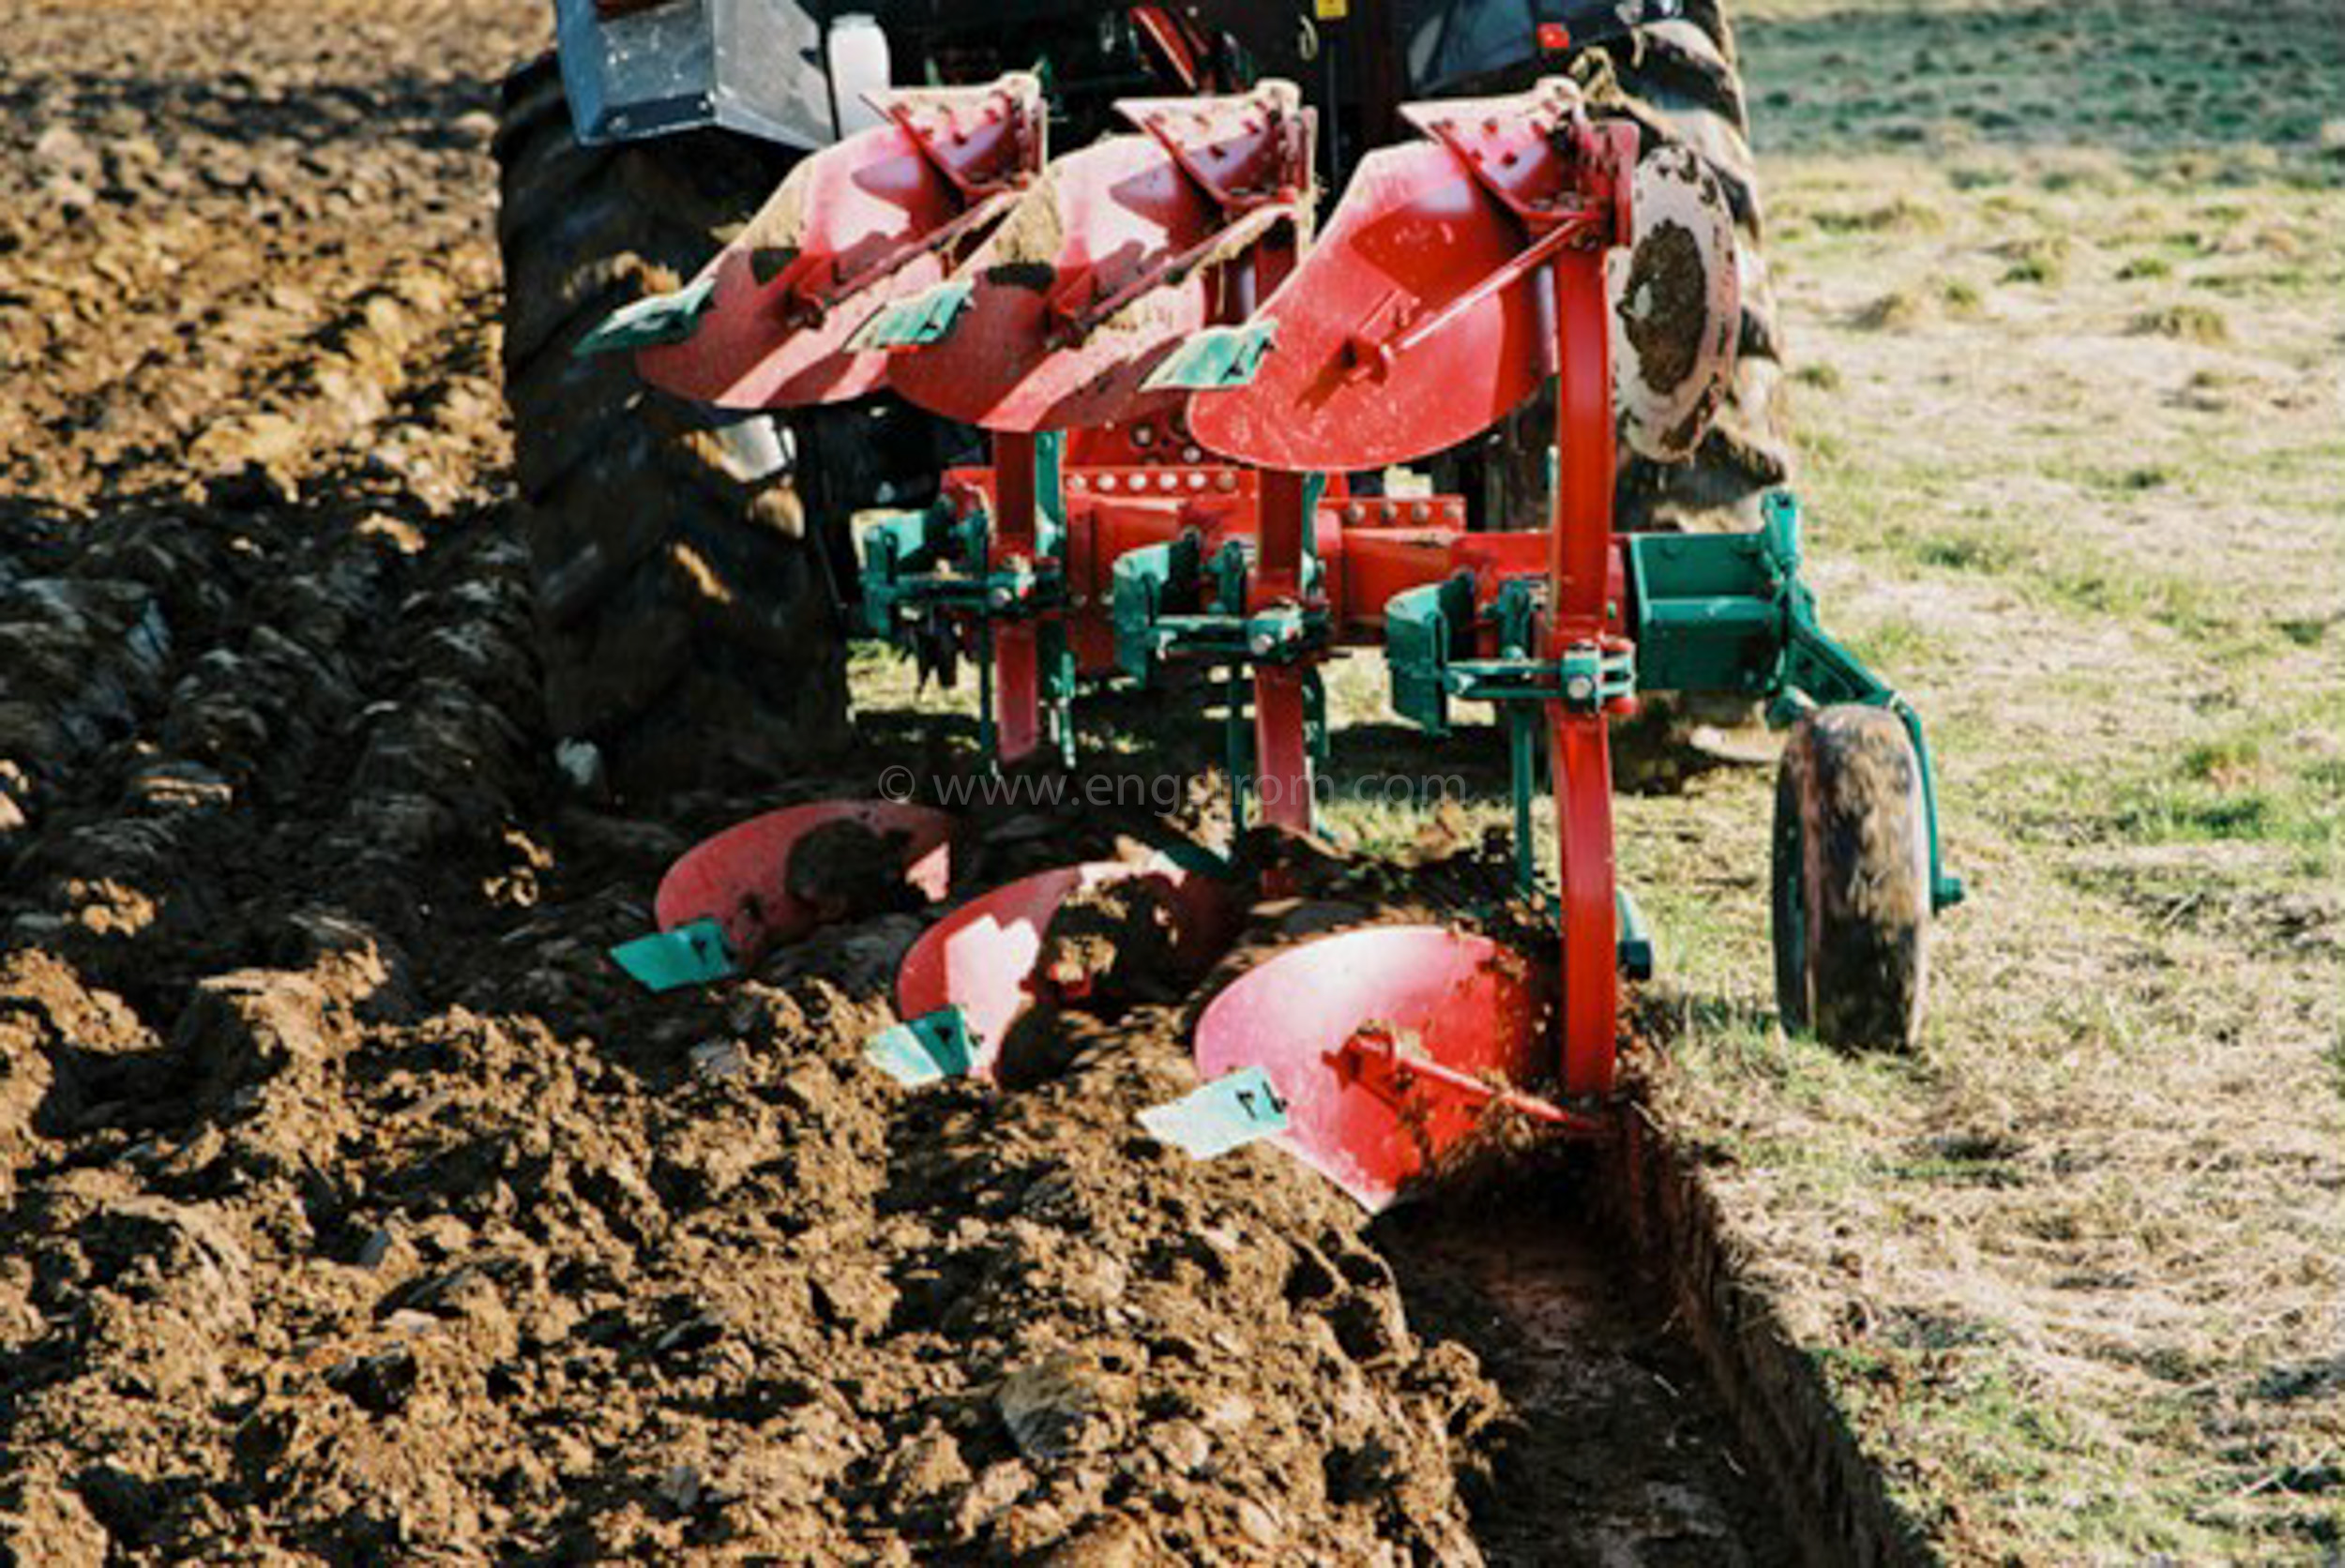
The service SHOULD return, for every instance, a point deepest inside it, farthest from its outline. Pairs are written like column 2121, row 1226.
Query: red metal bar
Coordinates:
column 1282, row 753
column 1398, row 1074
column 1580, row 561
column 1017, row 663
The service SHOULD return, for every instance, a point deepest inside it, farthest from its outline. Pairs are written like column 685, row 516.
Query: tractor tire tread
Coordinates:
column 683, row 624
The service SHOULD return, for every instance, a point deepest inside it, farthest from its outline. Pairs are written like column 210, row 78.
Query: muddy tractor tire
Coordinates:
column 1680, row 83
column 688, row 617
column 1680, row 80
column 1852, row 900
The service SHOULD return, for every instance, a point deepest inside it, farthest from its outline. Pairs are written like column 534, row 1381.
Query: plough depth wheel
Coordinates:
column 1851, row 883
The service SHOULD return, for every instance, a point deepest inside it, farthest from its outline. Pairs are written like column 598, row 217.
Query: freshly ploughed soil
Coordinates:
column 844, row 868
column 353, row 1207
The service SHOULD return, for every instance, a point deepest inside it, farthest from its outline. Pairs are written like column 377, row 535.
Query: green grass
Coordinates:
column 2098, row 535
column 2277, row 777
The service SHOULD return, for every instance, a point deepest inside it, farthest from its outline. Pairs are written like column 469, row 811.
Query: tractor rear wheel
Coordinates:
column 1680, row 80
column 1851, row 880
column 688, row 617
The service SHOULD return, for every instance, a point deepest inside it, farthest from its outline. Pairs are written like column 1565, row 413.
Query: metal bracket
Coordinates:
column 1216, row 359
column 1229, row 1113
column 1729, row 612
column 652, row 320
column 693, row 953
column 1148, row 582
column 927, row 1050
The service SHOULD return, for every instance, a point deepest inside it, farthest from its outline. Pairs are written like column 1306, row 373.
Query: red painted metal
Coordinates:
column 1100, row 218
column 1016, row 661
column 740, row 876
column 1367, row 566
column 1580, row 609
column 1282, row 753
column 1408, row 237
column 1426, row 312
column 1394, row 1064
column 876, row 218
column 1470, row 1004
column 1112, row 261
column 1182, row 51
column 982, row 957
column 1454, row 275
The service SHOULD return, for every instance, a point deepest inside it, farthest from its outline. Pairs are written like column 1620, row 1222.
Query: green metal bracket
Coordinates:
column 693, row 953
column 1728, row 612
column 900, row 551
column 1215, row 359
column 1229, row 1113
column 927, row 1050
column 916, row 320
column 1636, row 937
column 1424, row 629
column 649, row 322
column 1590, row 676
column 1141, row 583
column 920, row 567
column 1169, row 602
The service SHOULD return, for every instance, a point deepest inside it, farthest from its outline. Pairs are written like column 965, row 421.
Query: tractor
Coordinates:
column 1101, row 415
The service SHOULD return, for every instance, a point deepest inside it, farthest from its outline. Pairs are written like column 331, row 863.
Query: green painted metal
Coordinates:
column 1423, row 629
column 916, row 320
column 1169, row 602
column 1140, row 584
column 693, row 954
column 649, row 322
column 900, row 551
column 922, row 567
column 1717, row 612
column 1728, row 612
column 927, row 1050
column 1636, row 937
column 1707, row 608
column 1209, row 1121
column 1215, row 359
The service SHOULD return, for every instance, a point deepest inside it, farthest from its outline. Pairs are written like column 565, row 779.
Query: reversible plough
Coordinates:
column 1177, row 372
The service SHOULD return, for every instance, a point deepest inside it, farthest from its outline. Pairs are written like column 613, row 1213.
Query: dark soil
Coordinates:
column 845, row 871
column 353, row 1207
column 1111, row 943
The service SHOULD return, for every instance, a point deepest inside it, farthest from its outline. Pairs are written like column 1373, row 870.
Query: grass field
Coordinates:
column 2064, row 293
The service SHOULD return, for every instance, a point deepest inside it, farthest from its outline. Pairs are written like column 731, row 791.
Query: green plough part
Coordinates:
column 688, row 954
column 1710, row 612
column 1424, row 629
column 1216, row 359
column 1229, row 1113
column 1213, row 628
column 924, row 569
column 654, row 320
column 929, row 1049
column 1636, row 938
column 917, row 321
column 1728, row 612
column 918, row 562
column 1139, row 583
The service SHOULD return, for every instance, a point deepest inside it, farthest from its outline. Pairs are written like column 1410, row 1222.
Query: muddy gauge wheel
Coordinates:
column 1851, row 880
